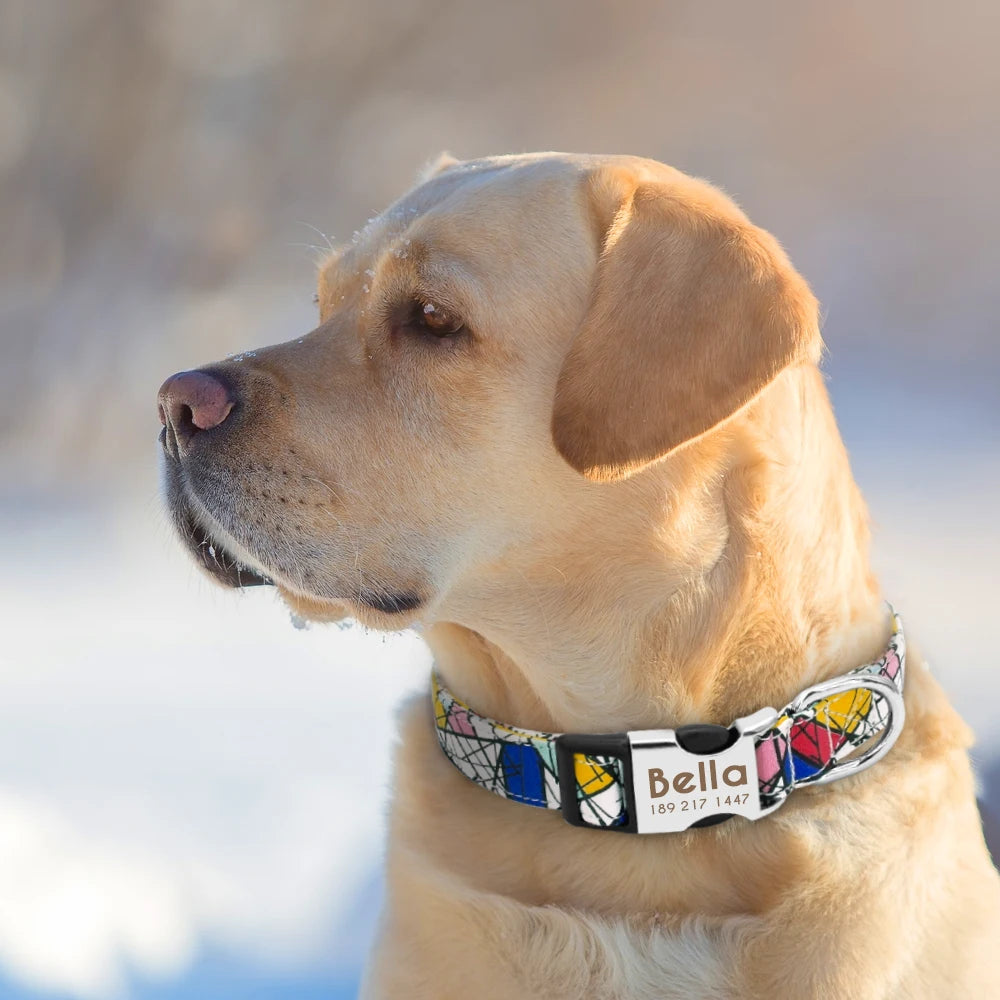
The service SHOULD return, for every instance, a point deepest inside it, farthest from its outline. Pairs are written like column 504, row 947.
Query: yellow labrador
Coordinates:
column 565, row 413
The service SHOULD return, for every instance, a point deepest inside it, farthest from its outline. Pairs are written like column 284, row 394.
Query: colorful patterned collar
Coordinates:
column 667, row 780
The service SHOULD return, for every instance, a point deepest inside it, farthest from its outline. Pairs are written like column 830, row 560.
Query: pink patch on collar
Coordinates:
column 458, row 721
column 768, row 764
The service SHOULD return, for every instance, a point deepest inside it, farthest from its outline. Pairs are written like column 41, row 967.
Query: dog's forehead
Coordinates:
column 475, row 195
column 495, row 180
column 473, row 208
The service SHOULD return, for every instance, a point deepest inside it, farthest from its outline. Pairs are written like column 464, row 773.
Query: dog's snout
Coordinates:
column 190, row 402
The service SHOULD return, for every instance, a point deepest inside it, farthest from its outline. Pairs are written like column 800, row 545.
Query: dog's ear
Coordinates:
column 693, row 312
column 438, row 165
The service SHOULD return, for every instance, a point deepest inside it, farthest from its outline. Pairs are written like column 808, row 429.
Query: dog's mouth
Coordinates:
column 238, row 566
column 216, row 560
column 228, row 570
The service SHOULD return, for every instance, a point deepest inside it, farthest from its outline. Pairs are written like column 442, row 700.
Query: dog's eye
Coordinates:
column 434, row 320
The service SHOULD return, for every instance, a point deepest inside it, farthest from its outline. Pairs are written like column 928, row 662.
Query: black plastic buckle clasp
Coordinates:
column 606, row 745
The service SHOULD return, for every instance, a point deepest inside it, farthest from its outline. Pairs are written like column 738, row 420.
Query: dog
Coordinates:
column 564, row 414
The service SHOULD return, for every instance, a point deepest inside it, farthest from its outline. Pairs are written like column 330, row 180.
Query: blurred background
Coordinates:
column 183, row 810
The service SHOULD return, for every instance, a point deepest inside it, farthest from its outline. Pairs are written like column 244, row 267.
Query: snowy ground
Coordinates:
column 192, row 791
column 181, row 771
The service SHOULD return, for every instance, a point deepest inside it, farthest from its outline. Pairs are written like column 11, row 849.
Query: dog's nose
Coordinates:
column 190, row 402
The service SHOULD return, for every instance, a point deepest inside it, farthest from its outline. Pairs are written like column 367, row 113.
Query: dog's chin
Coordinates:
column 383, row 611
column 314, row 609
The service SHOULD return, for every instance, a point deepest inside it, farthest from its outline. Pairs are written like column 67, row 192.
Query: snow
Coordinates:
column 180, row 767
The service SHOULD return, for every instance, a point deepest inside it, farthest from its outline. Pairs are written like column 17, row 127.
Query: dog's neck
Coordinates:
column 722, row 579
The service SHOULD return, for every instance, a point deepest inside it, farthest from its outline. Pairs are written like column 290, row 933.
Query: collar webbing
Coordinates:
column 601, row 781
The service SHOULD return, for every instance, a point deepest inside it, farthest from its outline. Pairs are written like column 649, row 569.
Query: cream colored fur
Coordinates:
column 623, row 502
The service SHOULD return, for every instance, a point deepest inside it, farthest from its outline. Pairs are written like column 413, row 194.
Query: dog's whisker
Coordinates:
column 329, row 243
column 308, row 246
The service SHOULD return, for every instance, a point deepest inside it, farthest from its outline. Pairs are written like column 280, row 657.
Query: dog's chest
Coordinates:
column 557, row 953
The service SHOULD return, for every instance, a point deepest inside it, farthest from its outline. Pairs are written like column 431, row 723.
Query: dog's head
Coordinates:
column 494, row 352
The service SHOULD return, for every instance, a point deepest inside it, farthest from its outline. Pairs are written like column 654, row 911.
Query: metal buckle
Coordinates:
column 697, row 775
column 709, row 750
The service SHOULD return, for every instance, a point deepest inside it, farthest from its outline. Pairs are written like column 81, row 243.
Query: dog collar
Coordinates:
column 667, row 780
